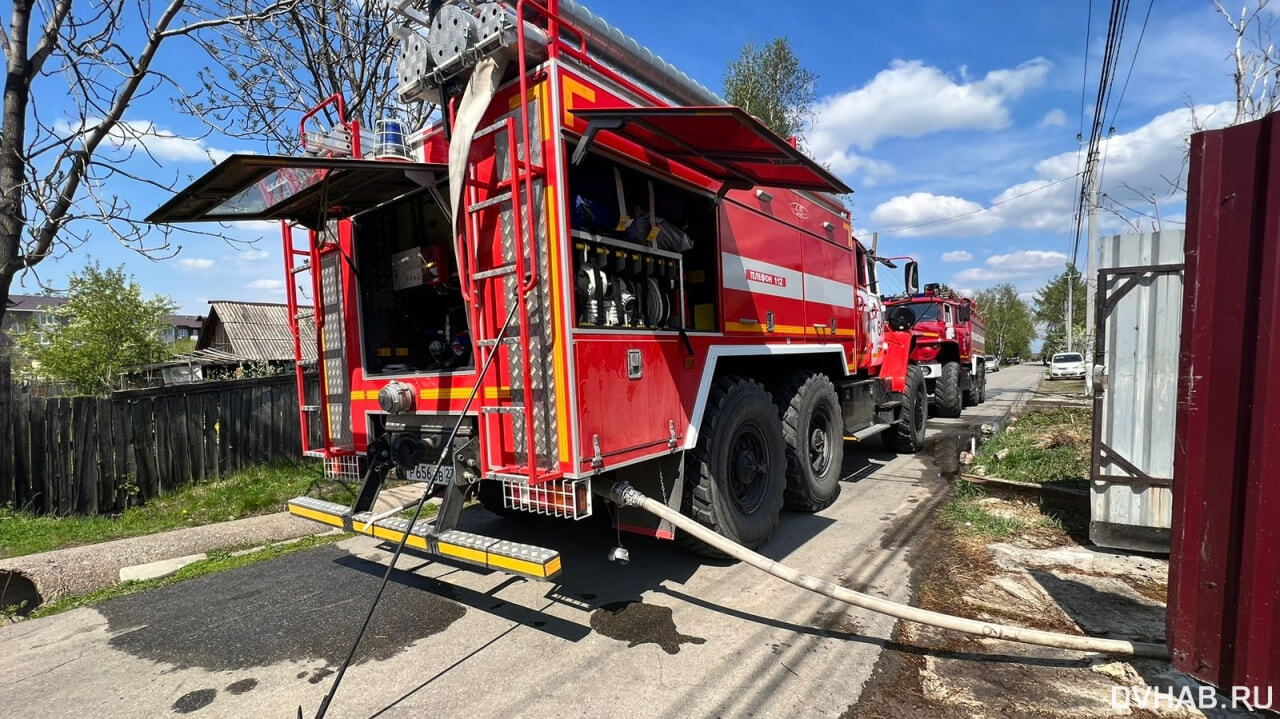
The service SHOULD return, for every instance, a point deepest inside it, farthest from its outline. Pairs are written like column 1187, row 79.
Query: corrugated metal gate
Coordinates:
column 1139, row 304
column 1224, row 588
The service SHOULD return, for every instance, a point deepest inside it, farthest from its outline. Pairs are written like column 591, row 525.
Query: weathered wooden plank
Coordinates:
column 143, row 440
column 40, row 469
column 65, row 447
column 195, row 435
column 210, row 440
column 8, row 443
column 126, row 472
column 21, row 411
column 180, row 458
column 84, row 440
column 107, row 478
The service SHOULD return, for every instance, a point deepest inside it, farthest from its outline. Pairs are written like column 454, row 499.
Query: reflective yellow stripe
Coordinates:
column 760, row 327
column 314, row 515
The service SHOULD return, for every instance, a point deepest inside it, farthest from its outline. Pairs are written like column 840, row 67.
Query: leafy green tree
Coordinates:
column 1009, row 320
column 105, row 327
column 768, row 82
column 1051, row 306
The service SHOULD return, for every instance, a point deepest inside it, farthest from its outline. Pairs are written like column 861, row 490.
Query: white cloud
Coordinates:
column 195, row 263
column 267, row 284
column 922, row 208
column 1142, row 158
column 1028, row 260
column 1022, row 263
column 956, row 256
column 251, row 255
column 144, row 136
column 912, row 99
column 1053, row 118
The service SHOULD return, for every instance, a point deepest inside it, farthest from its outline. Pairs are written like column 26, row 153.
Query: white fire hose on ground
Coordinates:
column 624, row 495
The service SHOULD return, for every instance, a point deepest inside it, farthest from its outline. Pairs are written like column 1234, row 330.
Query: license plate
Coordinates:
column 422, row 473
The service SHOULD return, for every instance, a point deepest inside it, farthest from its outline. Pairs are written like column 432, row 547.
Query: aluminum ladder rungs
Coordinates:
column 495, row 272
column 299, row 269
column 495, row 200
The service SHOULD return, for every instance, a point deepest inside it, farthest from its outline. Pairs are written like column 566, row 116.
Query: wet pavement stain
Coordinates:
column 194, row 701
column 318, row 675
column 638, row 623
column 242, row 686
column 301, row 608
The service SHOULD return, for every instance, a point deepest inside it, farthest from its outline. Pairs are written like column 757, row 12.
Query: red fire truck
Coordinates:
column 591, row 269
column 950, row 346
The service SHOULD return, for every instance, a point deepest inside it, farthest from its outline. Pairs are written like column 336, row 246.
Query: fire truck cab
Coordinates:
column 949, row 347
column 590, row 269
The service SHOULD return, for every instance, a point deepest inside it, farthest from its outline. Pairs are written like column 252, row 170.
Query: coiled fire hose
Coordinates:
column 624, row 495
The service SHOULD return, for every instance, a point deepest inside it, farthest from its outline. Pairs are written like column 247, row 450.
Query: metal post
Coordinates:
column 1067, row 309
column 1091, row 265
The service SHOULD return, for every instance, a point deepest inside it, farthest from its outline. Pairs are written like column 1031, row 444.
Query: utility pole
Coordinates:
column 1067, row 310
column 1091, row 279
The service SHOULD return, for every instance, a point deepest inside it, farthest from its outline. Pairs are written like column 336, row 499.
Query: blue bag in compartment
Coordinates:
column 593, row 216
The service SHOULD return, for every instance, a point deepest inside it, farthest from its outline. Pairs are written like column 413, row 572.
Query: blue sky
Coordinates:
column 928, row 110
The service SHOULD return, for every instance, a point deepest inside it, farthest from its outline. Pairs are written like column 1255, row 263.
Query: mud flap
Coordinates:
column 662, row 479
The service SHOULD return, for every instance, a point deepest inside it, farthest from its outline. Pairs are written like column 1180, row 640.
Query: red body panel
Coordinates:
column 1224, row 581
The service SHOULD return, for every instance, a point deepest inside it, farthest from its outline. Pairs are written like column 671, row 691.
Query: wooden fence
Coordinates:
column 97, row 455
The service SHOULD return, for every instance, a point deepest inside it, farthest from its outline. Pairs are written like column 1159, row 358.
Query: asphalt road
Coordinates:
column 666, row 635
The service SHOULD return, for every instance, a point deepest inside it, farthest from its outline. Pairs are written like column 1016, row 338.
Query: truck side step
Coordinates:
column 524, row 559
column 867, row 432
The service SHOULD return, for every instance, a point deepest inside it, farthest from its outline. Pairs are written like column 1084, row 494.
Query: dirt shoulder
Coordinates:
column 1006, row 555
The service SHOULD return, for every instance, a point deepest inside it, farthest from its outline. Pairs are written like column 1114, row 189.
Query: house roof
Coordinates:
column 254, row 331
column 33, row 303
column 190, row 321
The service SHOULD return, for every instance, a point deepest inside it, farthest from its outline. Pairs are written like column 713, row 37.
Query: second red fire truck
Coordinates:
column 591, row 269
column 950, row 342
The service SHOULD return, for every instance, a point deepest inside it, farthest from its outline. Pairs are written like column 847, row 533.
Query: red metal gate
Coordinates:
column 1224, row 593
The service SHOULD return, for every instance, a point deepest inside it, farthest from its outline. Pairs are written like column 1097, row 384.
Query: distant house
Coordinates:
column 183, row 327
column 27, row 310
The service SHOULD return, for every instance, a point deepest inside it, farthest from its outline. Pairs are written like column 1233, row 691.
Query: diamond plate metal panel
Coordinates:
column 333, row 349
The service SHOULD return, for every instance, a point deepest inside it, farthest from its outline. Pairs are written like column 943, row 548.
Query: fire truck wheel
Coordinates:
column 982, row 385
column 946, row 393
column 908, row 437
column 736, row 476
column 973, row 395
column 811, row 428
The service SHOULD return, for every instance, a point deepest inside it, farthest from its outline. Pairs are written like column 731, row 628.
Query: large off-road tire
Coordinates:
column 735, row 477
column 973, row 395
column 946, row 392
column 813, row 430
column 906, row 436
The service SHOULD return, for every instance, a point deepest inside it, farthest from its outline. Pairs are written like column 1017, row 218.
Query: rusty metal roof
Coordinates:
column 254, row 331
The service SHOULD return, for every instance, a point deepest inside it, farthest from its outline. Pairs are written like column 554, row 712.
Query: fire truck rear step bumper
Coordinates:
column 523, row 559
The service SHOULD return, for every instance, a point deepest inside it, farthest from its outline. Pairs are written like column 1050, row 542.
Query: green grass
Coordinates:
column 967, row 515
column 260, row 490
column 1050, row 445
column 218, row 561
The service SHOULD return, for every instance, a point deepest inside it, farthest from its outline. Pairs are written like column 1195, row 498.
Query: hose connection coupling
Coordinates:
column 624, row 495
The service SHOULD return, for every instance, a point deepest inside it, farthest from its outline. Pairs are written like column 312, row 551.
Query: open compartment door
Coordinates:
column 306, row 190
column 723, row 143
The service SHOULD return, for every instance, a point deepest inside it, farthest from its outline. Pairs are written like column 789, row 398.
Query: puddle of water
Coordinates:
column 638, row 623
column 242, row 686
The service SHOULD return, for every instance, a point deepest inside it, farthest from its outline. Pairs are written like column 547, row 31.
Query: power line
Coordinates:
column 1125, row 87
column 962, row 215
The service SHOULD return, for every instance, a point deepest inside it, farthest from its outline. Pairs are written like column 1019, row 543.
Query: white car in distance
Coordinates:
column 1067, row 365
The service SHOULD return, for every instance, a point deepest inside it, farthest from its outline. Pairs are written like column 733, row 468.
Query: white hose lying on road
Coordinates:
column 627, row 496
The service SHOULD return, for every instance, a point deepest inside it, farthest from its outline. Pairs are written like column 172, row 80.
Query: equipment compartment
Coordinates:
column 412, row 316
column 632, row 271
